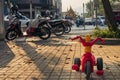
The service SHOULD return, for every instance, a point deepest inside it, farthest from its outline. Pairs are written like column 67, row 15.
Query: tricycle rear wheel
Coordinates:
column 99, row 63
column 77, row 61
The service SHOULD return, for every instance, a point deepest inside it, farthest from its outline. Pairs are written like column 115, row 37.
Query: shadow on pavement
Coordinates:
column 50, row 58
column 51, row 42
column 44, row 56
column 6, row 55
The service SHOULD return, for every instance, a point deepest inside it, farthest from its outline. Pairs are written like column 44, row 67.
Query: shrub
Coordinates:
column 105, row 33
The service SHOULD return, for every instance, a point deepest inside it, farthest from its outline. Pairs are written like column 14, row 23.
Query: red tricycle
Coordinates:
column 87, row 61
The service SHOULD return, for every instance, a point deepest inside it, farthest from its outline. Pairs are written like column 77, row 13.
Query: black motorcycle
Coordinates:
column 57, row 27
column 68, row 25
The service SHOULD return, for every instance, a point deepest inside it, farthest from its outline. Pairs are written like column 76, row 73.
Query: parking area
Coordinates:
column 52, row 59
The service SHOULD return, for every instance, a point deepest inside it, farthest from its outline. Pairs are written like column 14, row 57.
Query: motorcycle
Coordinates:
column 57, row 27
column 68, row 25
column 40, row 30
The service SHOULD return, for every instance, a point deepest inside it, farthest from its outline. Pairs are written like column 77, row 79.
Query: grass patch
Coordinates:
column 105, row 33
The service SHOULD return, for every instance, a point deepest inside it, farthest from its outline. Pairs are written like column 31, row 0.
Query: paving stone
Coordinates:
column 52, row 60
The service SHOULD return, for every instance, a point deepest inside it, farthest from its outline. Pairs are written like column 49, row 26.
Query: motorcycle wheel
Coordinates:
column 11, row 35
column 45, row 33
column 67, row 29
column 59, row 30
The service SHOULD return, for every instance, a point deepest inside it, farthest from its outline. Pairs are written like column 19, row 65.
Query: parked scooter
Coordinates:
column 40, row 30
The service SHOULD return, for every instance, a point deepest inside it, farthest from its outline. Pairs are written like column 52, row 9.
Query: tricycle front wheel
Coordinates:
column 87, row 70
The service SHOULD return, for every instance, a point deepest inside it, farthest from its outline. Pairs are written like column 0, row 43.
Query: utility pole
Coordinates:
column 84, row 16
column 90, row 8
column 30, row 11
column 96, row 5
column 2, row 30
column 9, row 5
column 96, row 15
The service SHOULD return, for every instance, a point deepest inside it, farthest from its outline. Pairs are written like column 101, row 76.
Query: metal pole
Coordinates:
column 90, row 8
column 83, row 16
column 92, row 11
column 96, row 4
column 9, row 12
column 30, row 11
column 96, row 16
column 2, row 30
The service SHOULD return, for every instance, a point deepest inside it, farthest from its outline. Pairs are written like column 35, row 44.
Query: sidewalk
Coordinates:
column 52, row 59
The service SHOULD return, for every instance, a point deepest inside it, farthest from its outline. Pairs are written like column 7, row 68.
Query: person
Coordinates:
column 47, row 13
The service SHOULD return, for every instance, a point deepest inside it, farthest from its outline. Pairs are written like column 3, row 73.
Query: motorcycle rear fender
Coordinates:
column 42, row 23
column 10, row 28
column 45, row 23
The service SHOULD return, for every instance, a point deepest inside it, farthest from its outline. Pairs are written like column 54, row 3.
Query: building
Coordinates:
column 43, row 7
column 69, row 14
column 24, row 7
column 59, row 7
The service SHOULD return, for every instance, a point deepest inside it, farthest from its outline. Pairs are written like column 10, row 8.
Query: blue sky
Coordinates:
column 77, row 5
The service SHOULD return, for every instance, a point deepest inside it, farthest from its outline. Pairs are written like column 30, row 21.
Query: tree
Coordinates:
column 100, row 10
column 109, row 15
column 105, row 9
column 89, row 8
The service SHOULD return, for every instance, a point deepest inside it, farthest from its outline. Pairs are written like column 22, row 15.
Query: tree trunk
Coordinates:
column 109, row 15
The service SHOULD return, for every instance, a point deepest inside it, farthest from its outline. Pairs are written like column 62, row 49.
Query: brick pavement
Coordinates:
column 52, row 59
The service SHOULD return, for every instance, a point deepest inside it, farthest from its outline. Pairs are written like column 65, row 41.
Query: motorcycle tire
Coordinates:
column 67, row 29
column 45, row 33
column 11, row 35
column 87, row 70
column 59, row 30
